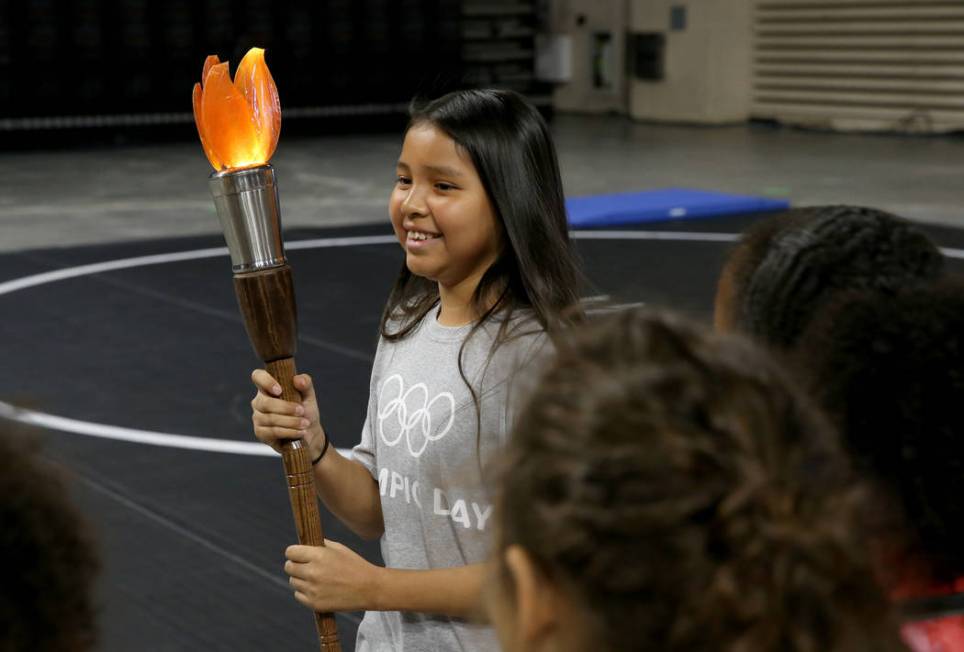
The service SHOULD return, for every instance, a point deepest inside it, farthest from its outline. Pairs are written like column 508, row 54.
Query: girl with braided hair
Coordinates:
column 668, row 488
column 785, row 268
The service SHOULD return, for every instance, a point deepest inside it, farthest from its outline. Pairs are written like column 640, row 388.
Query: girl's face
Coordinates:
column 440, row 211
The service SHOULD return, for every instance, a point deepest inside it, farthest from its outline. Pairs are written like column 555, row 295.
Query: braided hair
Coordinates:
column 785, row 268
column 890, row 372
column 685, row 491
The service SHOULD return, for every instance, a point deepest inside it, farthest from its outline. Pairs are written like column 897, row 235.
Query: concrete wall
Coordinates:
column 579, row 20
column 707, row 63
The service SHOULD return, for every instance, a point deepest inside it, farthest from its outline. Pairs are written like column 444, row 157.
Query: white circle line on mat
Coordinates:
column 170, row 440
column 132, row 435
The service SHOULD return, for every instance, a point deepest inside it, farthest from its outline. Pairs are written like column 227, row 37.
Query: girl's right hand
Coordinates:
column 276, row 420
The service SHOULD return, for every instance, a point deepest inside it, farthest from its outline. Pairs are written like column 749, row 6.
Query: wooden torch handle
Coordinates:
column 301, row 491
column 267, row 301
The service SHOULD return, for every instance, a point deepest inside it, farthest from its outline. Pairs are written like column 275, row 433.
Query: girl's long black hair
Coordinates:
column 537, row 268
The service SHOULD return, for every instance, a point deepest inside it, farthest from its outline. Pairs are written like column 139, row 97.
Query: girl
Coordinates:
column 489, row 270
column 668, row 489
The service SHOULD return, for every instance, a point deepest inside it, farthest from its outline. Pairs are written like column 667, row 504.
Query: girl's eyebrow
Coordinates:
column 441, row 170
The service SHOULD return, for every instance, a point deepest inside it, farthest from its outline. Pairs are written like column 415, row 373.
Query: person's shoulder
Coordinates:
column 520, row 338
column 523, row 322
column 521, row 327
column 398, row 330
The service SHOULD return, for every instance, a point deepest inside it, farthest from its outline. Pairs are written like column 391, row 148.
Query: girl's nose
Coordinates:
column 413, row 205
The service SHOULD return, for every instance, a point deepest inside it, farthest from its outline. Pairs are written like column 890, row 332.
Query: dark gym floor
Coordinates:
column 193, row 540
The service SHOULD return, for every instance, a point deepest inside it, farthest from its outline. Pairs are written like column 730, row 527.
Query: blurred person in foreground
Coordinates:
column 49, row 561
column 668, row 488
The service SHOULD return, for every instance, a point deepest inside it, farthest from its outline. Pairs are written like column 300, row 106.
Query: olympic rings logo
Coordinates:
column 414, row 425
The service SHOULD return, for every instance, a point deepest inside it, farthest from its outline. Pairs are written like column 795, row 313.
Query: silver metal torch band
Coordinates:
column 250, row 213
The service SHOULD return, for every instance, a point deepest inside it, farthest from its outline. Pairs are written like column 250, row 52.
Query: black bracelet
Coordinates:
column 324, row 449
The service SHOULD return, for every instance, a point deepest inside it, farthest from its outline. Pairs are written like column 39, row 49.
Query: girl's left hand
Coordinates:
column 331, row 578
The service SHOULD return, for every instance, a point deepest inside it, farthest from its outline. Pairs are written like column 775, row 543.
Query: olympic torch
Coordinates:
column 239, row 123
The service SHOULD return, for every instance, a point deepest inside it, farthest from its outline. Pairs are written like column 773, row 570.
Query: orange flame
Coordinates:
column 239, row 122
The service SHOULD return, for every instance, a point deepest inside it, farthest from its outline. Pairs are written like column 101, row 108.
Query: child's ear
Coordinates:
column 536, row 601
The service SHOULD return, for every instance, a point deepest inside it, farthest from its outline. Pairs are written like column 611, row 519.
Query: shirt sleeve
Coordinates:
column 529, row 364
column 366, row 450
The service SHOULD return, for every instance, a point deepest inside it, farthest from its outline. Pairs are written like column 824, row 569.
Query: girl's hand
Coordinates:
column 276, row 420
column 332, row 578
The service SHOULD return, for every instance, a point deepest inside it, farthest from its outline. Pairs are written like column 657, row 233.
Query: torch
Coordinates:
column 239, row 123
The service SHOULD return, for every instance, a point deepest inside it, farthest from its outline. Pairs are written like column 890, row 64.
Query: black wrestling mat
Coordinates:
column 137, row 369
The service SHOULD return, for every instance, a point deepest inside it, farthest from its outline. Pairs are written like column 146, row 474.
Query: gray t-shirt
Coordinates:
column 421, row 442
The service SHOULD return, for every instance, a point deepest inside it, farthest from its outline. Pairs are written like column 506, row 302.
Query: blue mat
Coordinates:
column 667, row 204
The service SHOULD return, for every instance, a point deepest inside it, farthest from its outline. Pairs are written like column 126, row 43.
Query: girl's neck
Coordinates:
column 457, row 305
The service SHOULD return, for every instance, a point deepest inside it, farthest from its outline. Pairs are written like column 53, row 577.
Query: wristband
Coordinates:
column 324, row 449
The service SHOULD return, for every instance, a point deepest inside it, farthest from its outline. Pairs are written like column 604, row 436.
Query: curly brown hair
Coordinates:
column 49, row 558
column 684, row 490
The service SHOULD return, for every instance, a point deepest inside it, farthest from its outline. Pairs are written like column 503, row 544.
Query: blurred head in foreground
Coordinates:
column 667, row 488
column 49, row 563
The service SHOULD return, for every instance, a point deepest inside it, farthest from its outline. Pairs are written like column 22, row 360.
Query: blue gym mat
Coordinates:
column 667, row 204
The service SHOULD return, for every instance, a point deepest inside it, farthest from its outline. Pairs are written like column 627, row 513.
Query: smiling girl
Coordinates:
column 489, row 273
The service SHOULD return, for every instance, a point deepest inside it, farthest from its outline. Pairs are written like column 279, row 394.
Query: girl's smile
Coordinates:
column 419, row 239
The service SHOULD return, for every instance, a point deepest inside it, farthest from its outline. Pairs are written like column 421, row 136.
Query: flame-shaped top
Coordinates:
column 239, row 122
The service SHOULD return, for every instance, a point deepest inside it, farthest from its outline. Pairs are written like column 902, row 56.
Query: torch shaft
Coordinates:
column 301, row 491
column 266, row 298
